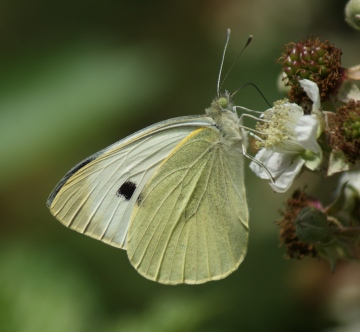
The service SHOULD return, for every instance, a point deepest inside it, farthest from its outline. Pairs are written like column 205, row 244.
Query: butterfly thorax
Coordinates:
column 227, row 121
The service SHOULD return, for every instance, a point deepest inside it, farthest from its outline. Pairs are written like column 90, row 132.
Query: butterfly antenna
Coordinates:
column 236, row 59
column 255, row 86
column 228, row 32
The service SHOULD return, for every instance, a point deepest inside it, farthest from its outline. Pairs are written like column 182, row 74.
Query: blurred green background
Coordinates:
column 77, row 76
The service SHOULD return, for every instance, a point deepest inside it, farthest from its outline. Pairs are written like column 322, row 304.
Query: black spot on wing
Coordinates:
column 126, row 189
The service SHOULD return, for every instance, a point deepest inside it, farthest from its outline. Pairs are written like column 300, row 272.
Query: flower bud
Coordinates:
column 312, row 225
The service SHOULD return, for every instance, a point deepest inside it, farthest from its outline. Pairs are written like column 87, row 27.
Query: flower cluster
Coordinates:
column 316, row 128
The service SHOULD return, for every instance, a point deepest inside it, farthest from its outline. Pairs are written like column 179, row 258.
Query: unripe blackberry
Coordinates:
column 295, row 248
column 314, row 60
column 345, row 131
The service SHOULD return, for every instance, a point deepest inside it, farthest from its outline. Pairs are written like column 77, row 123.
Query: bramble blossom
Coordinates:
column 289, row 140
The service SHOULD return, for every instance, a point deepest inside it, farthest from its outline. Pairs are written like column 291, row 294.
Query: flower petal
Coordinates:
column 271, row 160
column 281, row 166
column 306, row 131
column 261, row 156
column 285, row 180
column 312, row 91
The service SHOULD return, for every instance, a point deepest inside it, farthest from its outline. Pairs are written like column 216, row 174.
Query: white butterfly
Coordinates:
column 172, row 195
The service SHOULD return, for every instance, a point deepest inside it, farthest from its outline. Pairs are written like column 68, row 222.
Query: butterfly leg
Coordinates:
column 258, row 162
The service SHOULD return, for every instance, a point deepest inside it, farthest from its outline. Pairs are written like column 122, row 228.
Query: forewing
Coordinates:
column 97, row 196
column 190, row 222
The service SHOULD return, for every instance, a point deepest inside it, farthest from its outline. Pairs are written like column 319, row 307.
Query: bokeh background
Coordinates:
column 76, row 76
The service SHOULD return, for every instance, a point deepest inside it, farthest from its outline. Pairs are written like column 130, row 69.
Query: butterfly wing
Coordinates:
column 190, row 222
column 97, row 196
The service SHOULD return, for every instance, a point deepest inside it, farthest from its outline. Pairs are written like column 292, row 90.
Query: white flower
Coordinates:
column 289, row 140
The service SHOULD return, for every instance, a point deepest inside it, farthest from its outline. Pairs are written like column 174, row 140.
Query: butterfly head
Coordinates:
column 222, row 103
column 226, row 119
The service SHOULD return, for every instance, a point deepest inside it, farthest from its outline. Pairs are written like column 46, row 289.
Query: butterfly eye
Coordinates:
column 223, row 102
column 126, row 189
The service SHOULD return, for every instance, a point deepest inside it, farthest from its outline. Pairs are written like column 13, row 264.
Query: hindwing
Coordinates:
column 190, row 222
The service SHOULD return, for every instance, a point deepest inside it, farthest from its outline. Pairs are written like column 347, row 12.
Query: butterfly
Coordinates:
column 172, row 195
